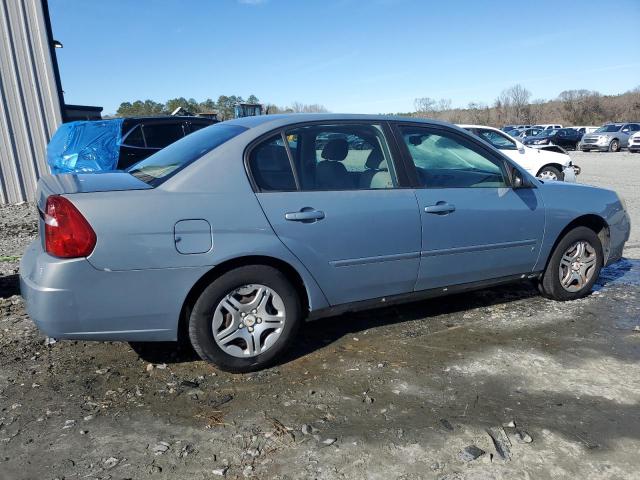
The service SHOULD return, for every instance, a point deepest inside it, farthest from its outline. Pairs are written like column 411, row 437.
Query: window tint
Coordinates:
column 445, row 160
column 168, row 161
column 497, row 140
column 162, row 134
column 342, row 157
column 134, row 138
column 270, row 167
column 198, row 126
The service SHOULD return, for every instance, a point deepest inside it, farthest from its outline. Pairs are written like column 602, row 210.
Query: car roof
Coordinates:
column 167, row 118
column 279, row 120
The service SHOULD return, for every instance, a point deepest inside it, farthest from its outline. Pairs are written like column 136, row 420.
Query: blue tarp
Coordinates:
column 86, row 146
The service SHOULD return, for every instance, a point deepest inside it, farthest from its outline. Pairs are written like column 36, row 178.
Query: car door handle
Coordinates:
column 305, row 215
column 440, row 208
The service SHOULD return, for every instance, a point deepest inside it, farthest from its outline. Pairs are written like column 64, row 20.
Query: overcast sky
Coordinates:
column 362, row 56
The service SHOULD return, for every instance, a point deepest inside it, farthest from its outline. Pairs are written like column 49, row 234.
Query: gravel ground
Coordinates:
column 397, row 393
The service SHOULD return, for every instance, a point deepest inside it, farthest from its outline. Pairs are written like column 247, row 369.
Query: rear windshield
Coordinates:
column 168, row 161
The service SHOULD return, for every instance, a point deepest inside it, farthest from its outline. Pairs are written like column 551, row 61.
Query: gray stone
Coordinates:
column 467, row 454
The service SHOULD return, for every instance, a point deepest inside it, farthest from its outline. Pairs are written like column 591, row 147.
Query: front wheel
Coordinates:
column 550, row 173
column 574, row 266
column 614, row 146
column 245, row 319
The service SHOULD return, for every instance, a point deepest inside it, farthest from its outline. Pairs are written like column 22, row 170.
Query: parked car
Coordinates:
column 144, row 136
column 609, row 138
column 543, row 164
column 584, row 129
column 234, row 235
column 564, row 137
column 634, row 143
column 98, row 145
column 507, row 128
column 548, row 126
column 527, row 132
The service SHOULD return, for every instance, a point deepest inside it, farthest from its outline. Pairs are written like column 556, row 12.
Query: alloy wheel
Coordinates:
column 547, row 175
column 577, row 266
column 248, row 320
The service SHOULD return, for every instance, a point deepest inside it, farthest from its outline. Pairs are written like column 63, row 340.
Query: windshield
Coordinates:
column 547, row 133
column 168, row 161
column 609, row 128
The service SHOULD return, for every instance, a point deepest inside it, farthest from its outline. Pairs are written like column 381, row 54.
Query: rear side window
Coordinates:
column 168, row 161
column 270, row 166
column 342, row 157
column 162, row 134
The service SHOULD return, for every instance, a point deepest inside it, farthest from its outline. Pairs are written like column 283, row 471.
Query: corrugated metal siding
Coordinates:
column 29, row 104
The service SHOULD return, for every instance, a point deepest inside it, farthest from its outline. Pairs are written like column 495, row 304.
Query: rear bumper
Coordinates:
column 73, row 300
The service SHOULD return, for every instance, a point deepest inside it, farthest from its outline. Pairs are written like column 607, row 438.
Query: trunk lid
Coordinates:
column 73, row 183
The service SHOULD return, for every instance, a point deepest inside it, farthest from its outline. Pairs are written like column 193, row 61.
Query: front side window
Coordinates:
column 445, row 160
column 162, row 134
column 134, row 138
column 166, row 162
column 342, row 157
column 497, row 140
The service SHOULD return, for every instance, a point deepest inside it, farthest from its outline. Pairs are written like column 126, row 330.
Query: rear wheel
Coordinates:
column 614, row 146
column 574, row 266
column 245, row 319
column 550, row 173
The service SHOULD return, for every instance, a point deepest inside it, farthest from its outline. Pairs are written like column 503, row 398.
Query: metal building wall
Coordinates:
column 30, row 103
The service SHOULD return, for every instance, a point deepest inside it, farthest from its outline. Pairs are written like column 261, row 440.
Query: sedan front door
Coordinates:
column 341, row 210
column 475, row 226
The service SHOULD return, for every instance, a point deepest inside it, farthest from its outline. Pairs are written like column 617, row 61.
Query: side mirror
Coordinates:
column 518, row 180
column 520, row 147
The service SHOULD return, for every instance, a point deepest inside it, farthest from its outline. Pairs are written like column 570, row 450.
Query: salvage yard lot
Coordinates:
column 391, row 393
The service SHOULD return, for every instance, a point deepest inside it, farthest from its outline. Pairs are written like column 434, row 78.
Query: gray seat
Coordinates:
column 374, row 176
column 330, row 173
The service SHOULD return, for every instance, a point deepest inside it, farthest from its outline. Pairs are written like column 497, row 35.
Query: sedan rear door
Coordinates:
column 342, row 209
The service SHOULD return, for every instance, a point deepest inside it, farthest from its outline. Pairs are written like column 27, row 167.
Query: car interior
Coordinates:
column 343, row 157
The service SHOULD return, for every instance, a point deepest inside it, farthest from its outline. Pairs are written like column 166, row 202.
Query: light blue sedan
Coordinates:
column 236, row 234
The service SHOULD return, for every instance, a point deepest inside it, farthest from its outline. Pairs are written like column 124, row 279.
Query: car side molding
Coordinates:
column 382, row 302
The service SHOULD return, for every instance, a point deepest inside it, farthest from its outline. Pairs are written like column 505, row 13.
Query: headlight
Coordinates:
column 603, row 138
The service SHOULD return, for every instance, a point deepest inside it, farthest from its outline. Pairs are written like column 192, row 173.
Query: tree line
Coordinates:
column 224, row 107
column 514, row 105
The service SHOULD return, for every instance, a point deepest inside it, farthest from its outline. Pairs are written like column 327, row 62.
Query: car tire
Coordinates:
column 549, row 172
column 614, row 146
column 572, row 270
column 253, row 346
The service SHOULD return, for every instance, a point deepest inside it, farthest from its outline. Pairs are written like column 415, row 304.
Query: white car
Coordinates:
column 634, row 143
column 548, row 126
column 544, row 164
column 584, row 129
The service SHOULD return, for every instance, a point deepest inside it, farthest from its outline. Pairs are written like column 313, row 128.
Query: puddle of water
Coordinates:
column 624, row 272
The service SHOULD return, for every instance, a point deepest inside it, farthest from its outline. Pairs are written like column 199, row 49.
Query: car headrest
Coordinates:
column 335, row 150
column 374, row 159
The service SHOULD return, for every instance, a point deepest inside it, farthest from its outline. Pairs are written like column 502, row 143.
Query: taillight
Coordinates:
column 67, row 234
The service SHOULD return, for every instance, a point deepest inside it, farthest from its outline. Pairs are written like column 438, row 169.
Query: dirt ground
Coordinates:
column 395, row 393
